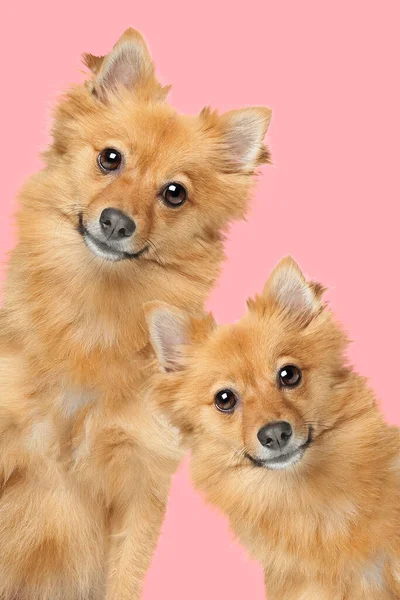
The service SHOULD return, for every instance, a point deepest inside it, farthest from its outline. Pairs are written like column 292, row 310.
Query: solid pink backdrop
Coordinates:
column 330, row 72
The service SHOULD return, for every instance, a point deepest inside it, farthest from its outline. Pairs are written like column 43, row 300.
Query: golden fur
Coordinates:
column 85, row 466
column 326, row 527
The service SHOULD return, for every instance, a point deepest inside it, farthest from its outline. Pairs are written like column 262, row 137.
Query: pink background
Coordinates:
column 330, row 71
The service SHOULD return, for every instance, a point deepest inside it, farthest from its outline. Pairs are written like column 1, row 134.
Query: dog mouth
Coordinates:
column 103, row 250
column 286, row 459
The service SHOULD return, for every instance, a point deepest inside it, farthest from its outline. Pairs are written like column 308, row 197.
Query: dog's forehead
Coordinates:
column 251, row 350
column 171, row 144
column 238, row 353
column 146, row 124
column 159, row 125
column 156, row 136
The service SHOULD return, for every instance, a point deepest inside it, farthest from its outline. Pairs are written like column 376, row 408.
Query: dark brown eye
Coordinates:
column 289, row 376
column 174, row 194
column 109, row 159
column 225, row 401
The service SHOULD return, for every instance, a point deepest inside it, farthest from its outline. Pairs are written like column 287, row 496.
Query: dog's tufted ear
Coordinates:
column 243, row 133
column 128, row 65
column 171, row 329
column 290, row 291
column 240, row 135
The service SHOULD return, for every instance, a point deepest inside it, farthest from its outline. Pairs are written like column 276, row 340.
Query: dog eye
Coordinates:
column 109, row 159
column 289, row 376
column 225, row 401
column 174, row 194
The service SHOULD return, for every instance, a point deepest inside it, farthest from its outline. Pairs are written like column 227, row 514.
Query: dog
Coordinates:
column 287, row 440
column 131, row 206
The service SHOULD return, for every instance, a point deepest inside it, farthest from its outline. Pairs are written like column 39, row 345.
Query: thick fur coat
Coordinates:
column 320, row 509
column 85, row 466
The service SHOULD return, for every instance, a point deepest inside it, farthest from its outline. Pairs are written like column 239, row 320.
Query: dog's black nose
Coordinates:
column 116, row 225
column 275, row 436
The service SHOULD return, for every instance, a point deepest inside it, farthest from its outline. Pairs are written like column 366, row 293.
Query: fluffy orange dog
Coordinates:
column 130, row 207
column 287, row 441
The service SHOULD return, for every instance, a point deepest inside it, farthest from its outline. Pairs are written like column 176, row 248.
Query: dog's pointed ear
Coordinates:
column 244, row 132
column 241, row 136
column 288, row 288
column 128, row 65
column 169, row 331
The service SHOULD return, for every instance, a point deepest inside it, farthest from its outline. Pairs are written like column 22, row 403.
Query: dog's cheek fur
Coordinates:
column 169, row 398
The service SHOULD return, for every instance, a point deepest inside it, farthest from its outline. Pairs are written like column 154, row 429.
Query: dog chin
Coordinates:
column 102, row 250
column 284, row 461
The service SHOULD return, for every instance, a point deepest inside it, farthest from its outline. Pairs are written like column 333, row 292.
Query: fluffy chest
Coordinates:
column 73, row 399
column 322, row 559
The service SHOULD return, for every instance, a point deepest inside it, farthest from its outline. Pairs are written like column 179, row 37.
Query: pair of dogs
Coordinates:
column 108, row 367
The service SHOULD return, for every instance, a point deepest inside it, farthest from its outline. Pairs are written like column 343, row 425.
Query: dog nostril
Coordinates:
column 116, row 225
column 275, row 435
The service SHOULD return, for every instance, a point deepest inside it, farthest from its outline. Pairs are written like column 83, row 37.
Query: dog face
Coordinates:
column 135, row 178
column 259, row 393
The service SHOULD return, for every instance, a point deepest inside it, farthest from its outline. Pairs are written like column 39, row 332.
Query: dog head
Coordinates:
column 261, row 393
column 134, row 177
